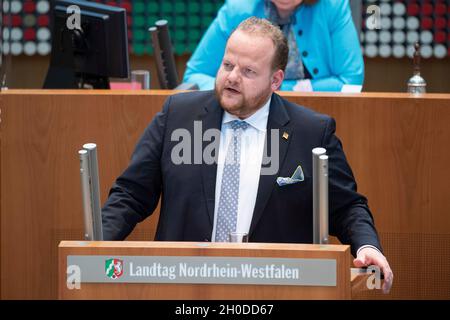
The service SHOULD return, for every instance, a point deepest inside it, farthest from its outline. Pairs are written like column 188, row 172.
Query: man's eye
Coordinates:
column 228, row 66
column 249, row 72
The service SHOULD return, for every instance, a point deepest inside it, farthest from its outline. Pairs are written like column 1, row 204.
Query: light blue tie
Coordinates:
column 229, row 191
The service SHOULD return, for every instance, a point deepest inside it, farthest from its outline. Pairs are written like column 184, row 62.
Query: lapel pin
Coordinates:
column 285, row 135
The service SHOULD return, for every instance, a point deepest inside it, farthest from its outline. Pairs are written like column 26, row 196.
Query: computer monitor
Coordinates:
column 87, row 54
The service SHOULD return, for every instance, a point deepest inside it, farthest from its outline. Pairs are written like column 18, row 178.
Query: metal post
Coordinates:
column 323, row 199
column 320, row 195
column 86, row 195
column 91, row 148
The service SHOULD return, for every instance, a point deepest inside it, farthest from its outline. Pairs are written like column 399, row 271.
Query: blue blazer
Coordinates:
column 326, row 38
column 282, row 213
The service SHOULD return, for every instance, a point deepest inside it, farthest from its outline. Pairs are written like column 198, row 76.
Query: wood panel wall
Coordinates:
column 395, row 143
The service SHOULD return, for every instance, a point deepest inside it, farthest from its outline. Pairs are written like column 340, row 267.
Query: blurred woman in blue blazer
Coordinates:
column 324, row 49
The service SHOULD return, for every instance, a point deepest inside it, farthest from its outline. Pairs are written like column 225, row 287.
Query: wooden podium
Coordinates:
column 107, row 288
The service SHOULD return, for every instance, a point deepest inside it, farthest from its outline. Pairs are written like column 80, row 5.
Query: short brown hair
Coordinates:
column 263, row 27
column 309, row 1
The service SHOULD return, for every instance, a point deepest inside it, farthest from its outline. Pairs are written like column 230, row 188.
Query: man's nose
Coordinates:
column 233, row 76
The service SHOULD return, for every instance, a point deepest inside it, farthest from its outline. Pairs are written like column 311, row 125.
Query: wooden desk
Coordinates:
column 395, row 143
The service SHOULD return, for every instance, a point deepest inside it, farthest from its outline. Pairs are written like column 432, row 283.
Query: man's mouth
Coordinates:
column 232, row 90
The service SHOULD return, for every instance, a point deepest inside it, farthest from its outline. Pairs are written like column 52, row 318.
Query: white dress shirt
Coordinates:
column 252, row 148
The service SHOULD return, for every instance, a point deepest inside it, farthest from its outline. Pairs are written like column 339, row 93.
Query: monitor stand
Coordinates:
column 65, row 78
column 88, row 81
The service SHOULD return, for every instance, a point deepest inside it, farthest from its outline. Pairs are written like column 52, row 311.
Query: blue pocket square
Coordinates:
column 296, row 177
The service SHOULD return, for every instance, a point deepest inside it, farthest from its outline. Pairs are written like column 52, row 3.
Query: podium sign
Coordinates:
column 190, row 270
column 209, row 270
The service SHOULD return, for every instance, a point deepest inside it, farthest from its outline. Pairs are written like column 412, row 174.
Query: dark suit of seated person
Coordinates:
column 214, row 157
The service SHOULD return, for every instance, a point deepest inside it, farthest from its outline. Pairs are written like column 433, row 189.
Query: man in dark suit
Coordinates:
column 215, row 156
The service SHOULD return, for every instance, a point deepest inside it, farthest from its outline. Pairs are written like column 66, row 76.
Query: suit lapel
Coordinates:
column 278, row 120
column 211, row 119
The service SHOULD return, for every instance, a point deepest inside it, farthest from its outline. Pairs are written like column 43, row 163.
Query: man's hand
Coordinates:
column 370, row 256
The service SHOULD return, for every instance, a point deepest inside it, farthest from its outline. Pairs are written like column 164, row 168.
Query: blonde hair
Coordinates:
column 264, row 28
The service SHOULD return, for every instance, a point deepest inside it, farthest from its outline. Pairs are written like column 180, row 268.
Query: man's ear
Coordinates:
column 277, row 79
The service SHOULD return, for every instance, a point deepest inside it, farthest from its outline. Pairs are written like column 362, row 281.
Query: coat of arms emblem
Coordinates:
column 114, row 268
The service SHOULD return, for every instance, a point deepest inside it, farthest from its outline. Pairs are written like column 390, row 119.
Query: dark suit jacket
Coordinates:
column 281, row 214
